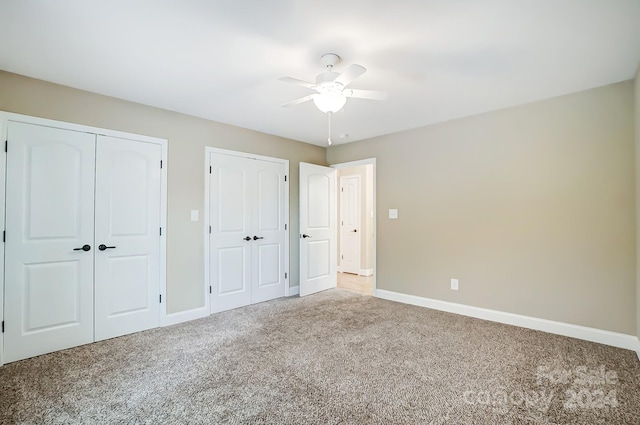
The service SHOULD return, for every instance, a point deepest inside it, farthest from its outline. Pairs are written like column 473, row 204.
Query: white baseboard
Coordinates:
column 185, row 316
column 615, row 339
column 294, row 290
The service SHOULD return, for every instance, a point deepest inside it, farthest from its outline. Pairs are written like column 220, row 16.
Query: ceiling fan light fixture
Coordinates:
column 329, row 102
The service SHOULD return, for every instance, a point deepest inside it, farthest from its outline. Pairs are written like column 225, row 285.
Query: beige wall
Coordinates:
column 366, row 207
column 188, row 136
column 637, row 122
column 531, row 208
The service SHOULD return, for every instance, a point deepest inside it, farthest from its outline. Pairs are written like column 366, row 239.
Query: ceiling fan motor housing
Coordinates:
column 326, row 80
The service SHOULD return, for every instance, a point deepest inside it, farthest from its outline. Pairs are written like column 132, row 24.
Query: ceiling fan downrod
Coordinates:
column 329, row 141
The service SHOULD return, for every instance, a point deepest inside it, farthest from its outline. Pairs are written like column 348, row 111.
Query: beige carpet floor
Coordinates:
column 332, row 358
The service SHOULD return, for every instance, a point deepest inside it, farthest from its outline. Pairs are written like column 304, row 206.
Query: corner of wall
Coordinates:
column 636, row 103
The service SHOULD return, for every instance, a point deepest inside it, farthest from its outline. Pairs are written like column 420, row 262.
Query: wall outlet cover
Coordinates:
column 393, row 214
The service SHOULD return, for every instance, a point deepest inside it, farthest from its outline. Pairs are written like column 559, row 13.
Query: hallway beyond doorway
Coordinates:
column 355, row 283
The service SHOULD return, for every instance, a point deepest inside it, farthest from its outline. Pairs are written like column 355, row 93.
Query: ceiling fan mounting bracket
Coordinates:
column 329, row 60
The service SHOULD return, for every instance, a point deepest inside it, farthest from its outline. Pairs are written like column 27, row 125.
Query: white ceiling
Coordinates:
column 221, row 59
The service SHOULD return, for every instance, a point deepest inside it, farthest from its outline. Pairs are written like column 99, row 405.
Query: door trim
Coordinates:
column 4, row 128
column 367, row 161
column 5, row 117
column 208, row 150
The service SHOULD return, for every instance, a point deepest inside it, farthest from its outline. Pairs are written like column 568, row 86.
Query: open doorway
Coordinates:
column 355, row 189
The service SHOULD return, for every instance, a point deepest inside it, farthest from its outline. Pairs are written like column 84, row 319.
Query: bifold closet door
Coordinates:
column 127, row 237
column 49, row 240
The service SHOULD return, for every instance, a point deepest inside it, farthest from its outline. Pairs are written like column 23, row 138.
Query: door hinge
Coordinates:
column 342, row 189
column 285, row 178
column 285, row 275
column 160, row 163
column 6, row 146
column 210, row 289
column 209, row 229
column 342, row 257
column 3, row 326
column 161, row 231
column 210, row 169
column 4, row 236
column 285, row 226
column 160, row 298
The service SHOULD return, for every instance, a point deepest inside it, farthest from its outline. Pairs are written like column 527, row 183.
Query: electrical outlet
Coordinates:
column 454, row 284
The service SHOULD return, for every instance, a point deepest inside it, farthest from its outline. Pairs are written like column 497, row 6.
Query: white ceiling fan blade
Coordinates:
column 298, row 82
column 365, row 94
column 350, row 74
column 298, row 101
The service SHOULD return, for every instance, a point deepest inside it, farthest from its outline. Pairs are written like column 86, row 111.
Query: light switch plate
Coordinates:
column 195, row 215
column 393, row 214
column 454, row 284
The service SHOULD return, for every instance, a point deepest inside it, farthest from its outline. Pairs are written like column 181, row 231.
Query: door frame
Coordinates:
column 356, row 163
column 3, row 164
column 358, row 219
column 208, row 150
column 6, row 117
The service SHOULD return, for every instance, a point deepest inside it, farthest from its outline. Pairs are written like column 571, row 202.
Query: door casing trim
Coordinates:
column 356, row 163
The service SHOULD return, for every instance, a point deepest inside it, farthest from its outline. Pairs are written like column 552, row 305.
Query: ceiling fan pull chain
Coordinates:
column 329, row 121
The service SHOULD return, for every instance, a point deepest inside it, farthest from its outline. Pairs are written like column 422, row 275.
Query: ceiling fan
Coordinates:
column 331, row 88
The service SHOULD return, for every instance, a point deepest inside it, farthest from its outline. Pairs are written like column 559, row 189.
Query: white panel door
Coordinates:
column 231, row 237
column 247, row 238
column 49, row 220
column 350, row 224
column 317, row 228
column 127, row 237
column 267, row 222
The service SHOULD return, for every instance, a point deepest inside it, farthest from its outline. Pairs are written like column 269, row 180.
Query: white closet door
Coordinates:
column 268, row 219
column 49, row 277
column 127, row 237
column 231, row 237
